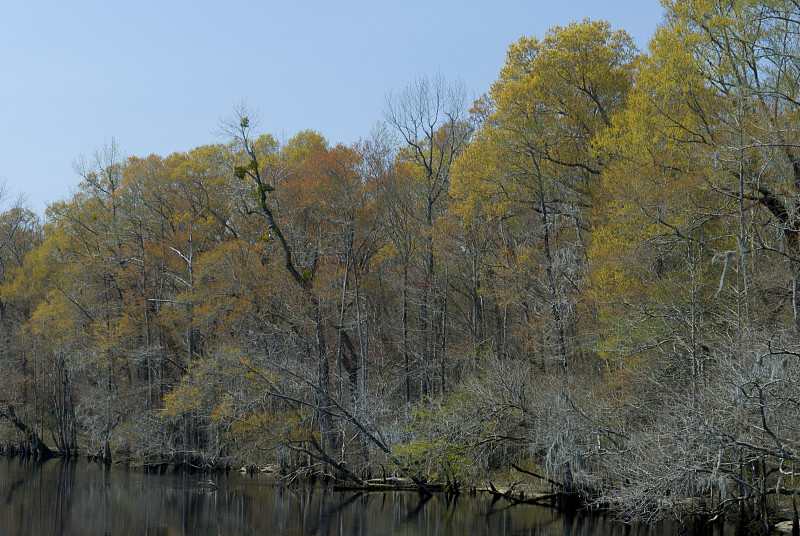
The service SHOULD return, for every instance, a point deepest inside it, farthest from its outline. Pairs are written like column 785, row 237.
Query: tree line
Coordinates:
column 590, row 273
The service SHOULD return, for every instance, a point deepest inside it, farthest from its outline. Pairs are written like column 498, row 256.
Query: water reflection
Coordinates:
column 76, row 498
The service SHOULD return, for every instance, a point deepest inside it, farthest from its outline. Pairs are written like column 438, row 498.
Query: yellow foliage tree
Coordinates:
column 532, row 165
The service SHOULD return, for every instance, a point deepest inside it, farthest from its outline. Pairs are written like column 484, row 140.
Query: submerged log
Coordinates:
column 521, row 498
column 208, row 485
column 397, row 485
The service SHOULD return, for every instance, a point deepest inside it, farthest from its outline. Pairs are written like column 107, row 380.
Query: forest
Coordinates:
column 589, row 274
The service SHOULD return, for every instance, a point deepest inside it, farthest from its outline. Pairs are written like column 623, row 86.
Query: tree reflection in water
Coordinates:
column 77, row 498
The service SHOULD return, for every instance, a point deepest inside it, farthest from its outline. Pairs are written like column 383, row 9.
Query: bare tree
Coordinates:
column 432, row 118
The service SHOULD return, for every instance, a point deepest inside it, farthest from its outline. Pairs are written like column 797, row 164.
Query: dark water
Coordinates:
column 82, row 498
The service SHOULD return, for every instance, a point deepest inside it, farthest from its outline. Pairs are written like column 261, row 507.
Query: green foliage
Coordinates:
column 435, row 460
column 451, row 441
column 241, row 172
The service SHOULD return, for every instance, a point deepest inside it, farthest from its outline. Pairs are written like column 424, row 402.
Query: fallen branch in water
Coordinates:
column 36, row 442
column 542, row 499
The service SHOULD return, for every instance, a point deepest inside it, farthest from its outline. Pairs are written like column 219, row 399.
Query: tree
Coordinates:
column 431, row 118
column 532, row 164
column 693, row 263
column 21, row 235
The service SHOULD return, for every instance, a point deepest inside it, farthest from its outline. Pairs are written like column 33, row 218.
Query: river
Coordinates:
column 82, row 498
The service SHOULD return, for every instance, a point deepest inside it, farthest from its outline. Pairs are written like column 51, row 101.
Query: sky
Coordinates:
column 159, row 76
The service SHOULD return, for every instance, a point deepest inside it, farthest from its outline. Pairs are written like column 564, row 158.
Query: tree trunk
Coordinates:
column 562, row 350
column 31, row 436
column 405, row 333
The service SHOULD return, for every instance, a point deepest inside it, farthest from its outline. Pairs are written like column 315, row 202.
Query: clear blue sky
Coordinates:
column 158, row 76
